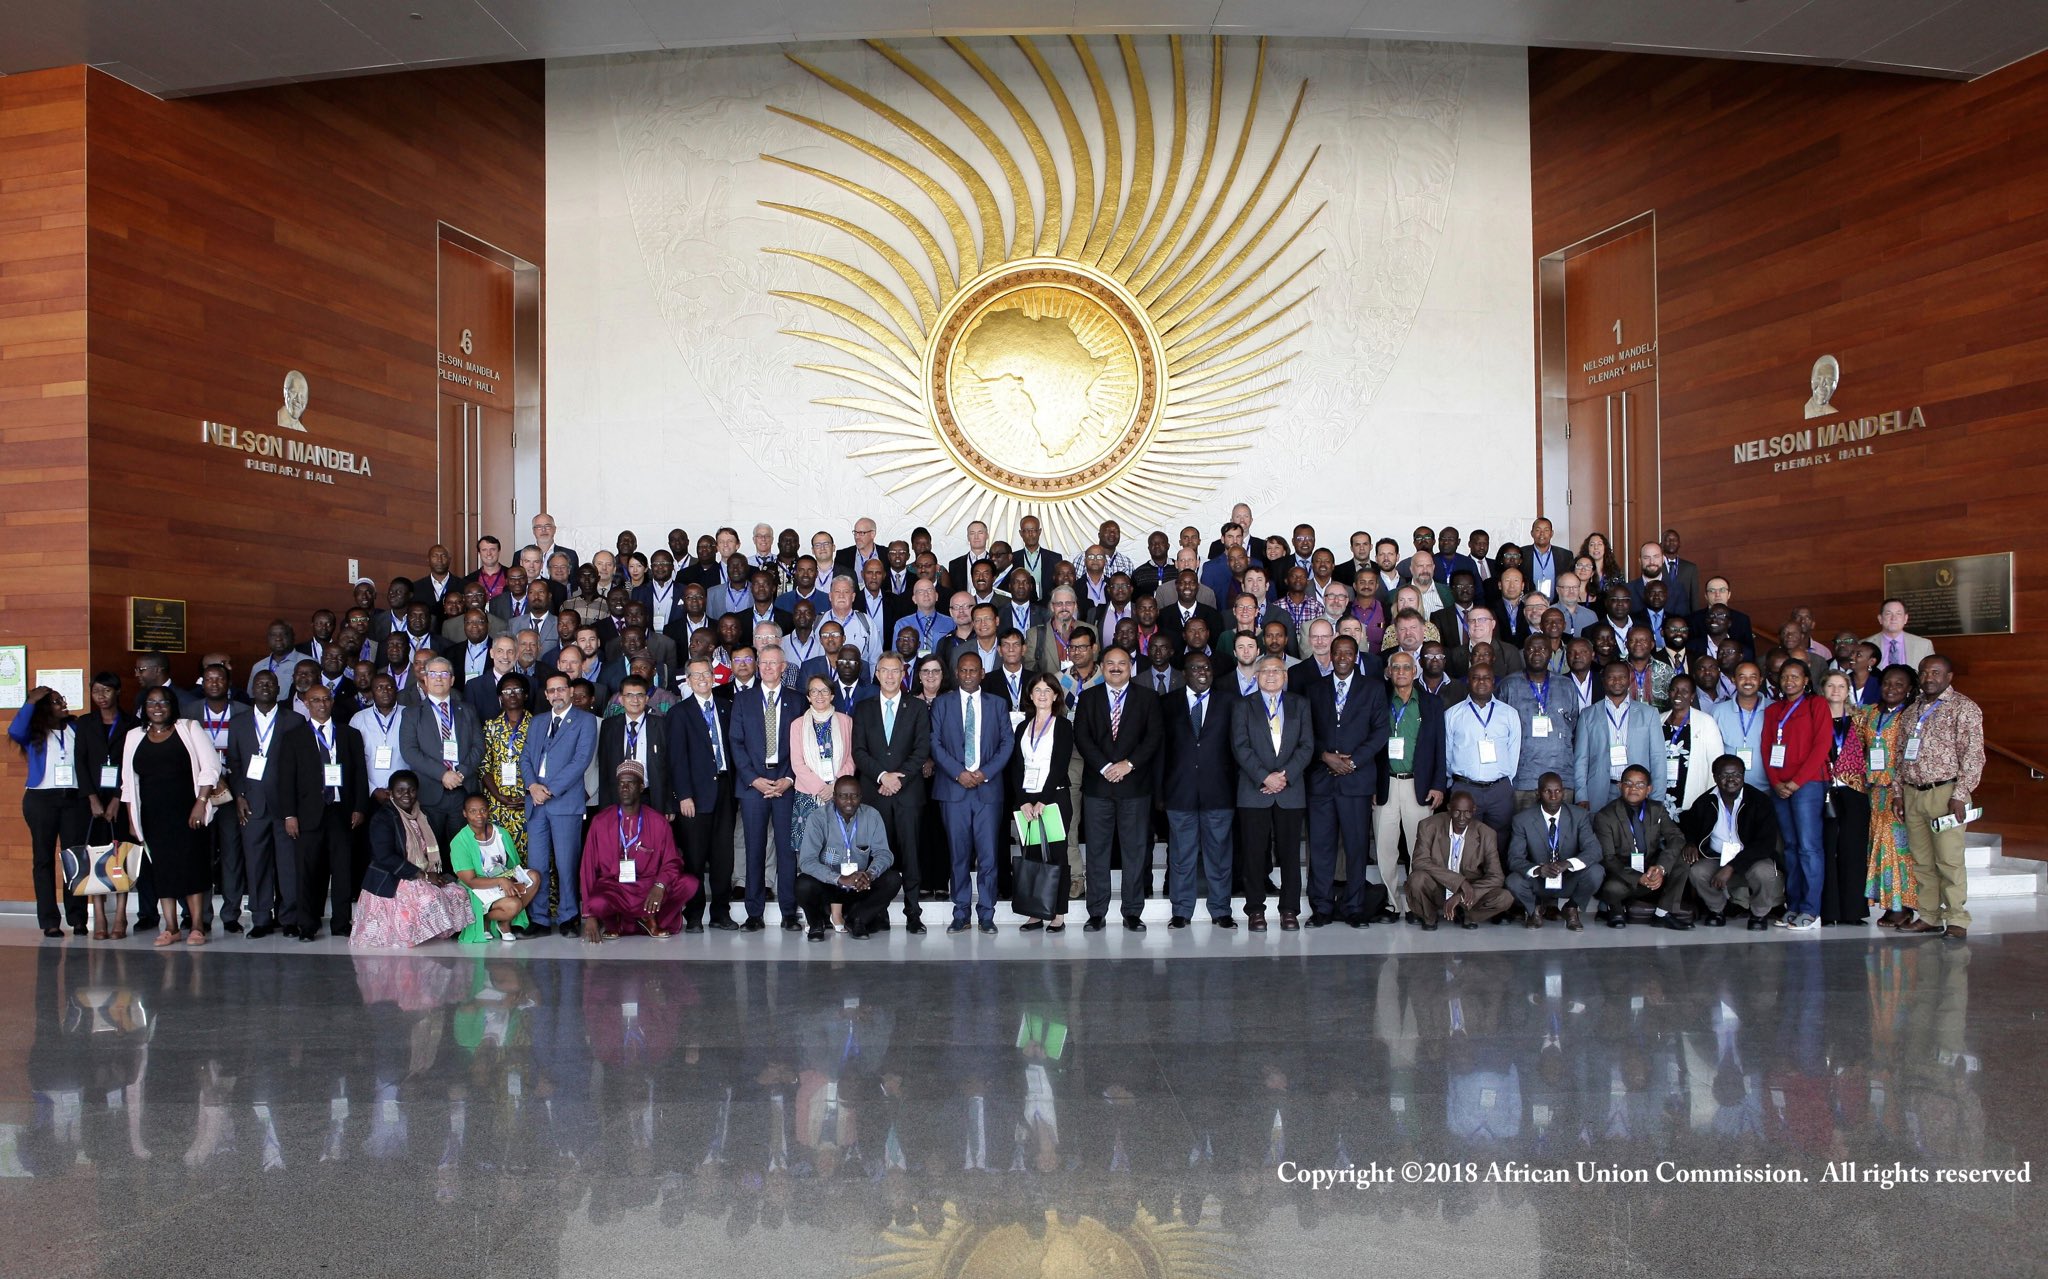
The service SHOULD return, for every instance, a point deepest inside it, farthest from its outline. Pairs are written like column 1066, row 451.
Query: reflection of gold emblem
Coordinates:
column 1069, row 359
column 1146, row 1248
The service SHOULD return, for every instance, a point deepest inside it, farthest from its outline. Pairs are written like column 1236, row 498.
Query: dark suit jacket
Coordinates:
column 388, row 863
column 1170, row 621
column 1150, row 679
column 355, row 779
column 904, row 751
column 959, row 575
column 1529, row 842
column 749, row 734
column 997, row 681
column 419, row 742
column 1252, row 746
column 1756, row 825
column 611, row 752
column 692, row 764
column 949, row 748
column 423, row 589
column 1136, row 741
column 1361, row 733
column 1056, row 789
column 1739, row 630
column 1432, row 762
column 1662, row 837
column 1679, row 600
column 1197, row 773
column 291, row 764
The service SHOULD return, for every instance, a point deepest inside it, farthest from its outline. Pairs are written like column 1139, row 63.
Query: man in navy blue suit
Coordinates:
column 1198, row 783
column 702, row 775
column 1349, row 713
column 558, row 750
column 761, row 717
column 971, row 744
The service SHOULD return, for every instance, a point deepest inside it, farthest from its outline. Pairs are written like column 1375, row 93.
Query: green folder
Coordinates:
column 1054, row 826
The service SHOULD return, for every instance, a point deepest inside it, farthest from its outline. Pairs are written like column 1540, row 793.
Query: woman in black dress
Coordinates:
column 102, row 732
column 1037, row 779
column 169, row 776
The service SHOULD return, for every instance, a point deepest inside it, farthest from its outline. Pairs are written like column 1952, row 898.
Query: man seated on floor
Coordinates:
column 633, row 878
column 1642, row 850
column 1731, row 836
column 1455, row 870
column 1553, row 855
column 843, row 859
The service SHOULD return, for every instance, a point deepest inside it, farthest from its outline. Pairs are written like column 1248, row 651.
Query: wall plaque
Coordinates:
column 1965, row 595
column 155, row 626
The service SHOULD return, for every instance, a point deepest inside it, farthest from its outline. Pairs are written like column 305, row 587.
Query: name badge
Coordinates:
column 451, row 750
column 1671, row 767
column 1539, row 726
column 508, row 775
column 257, row 763
column 1778, row 755
column 1747, row 756
column 1912, row 749
column 382, row 759
column 1487, row 753
column 331, row 775
column 628, row 872
column 1016, row 718
column 1877, row 759
column 849, row 868
column 1635, row 860
column 1554, row 883
column 110, row 776
column 1617, row 753
column 63, row 775
column 1397, row 749
column 1543, row 586
column 1730, row 850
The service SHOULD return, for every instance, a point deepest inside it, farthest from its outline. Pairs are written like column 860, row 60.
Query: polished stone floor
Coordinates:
column 263, row 1110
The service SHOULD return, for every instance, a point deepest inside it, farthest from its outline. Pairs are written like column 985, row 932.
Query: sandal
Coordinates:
column 169, row 937
column 195, row 938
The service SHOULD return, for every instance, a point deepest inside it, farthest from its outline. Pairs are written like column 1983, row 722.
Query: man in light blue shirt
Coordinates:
column 1483, row 741
column 1741, row 721
column 1549, row 712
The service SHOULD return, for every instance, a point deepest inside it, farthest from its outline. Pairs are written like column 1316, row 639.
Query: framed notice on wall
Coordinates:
column 1963, row 595
column 155, row 626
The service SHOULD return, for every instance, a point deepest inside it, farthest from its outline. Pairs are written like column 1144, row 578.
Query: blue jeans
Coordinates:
column 1199, row 859
column 1799, row 823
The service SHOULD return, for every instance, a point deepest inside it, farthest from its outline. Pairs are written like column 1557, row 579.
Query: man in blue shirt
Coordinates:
column 1484, row 742
column 1741, row 721
column 1549, row 712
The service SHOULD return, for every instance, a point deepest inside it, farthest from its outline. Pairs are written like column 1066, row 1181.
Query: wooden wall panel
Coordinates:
column 42, row 398
column 1900, row 224
column 236, row 236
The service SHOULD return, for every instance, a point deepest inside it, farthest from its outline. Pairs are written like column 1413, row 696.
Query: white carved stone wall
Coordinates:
column 673, row 398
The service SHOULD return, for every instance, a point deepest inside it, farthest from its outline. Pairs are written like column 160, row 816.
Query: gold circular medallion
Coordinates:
column 1044, row 378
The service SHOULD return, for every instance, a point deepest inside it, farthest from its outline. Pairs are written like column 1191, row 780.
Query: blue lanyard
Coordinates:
column 263, row 736
column 1746, row 720
column 1485, row 721
column 846, row 830
column 1790, row 711
column 627, row 845
column 1922, row 721
column 1636, row 823
column 1400, row 709
column 1542, row 693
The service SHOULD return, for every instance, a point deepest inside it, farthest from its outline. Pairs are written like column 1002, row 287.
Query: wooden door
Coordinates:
column 476, row 481
column 1611, row 445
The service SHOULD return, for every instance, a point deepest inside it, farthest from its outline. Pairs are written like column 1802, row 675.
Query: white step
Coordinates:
column 1993, row 874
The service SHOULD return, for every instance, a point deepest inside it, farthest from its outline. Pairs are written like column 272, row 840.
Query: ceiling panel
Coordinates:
column 434, row 30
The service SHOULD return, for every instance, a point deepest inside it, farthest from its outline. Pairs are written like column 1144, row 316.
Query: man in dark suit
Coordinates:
column 850, row 683
column 275, row 779
column 702, row 788
column 1552, row 854
column 437, row 581
column 892, row 739
column 848, row 561
column 1683, row 573
column 326, row 839
column 960, row 571
column 419, row 631
column 1732, row 843
column 1273, row 742
column 639, row 736
column 1034, row 558
column 1007, row 679
column 1116, row 730
column 1641, row 849
column 1186, row 606
column 971, row 744
column 1651, row 569
column 766, row 786
column 442, row 741
column 1735, row 625
column 1348, row 713
column 1198, row 782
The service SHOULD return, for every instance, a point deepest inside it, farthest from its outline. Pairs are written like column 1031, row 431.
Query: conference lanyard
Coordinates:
column 1790, row 711
column 263, row 735
column 1272, row 712
column 1616, row 722
column 1400, row 709
column 217, row 729
column 1542, row 692
column 846, row 830
column 1038, row 731
column 384, row 725
column 805, row 651
column 1486, row 720
column 1636, row 822
column 1746, row 720
column 628, row 843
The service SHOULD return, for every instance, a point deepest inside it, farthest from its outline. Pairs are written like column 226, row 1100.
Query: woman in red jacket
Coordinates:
column 1797, row 735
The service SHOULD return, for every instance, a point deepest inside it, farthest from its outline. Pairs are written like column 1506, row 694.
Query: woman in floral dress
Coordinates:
column 504, row 740
column 1883, row 728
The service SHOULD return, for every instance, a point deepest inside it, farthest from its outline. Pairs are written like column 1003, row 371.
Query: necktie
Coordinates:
column 888, row 718
column 632, row 740
column 1201, row 704
column 1553, row 834
column 554, row 722
column 327, row 754
column 1116, row 714
column 972, row 731
column 447, row 719
column 1893, row 656
column 774, row 726
column 717, row 750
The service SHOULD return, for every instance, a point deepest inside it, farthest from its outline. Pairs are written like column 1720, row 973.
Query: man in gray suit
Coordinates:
column 1553, row 854
column 443, row 743
column 1273, row 741
column 1614, row 733
column 1896, row 646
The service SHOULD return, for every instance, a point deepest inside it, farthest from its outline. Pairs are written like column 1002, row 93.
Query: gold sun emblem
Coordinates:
column 1145, row 1248
column 1070, row 360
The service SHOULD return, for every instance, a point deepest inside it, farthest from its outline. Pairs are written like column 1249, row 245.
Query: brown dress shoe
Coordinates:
column 1534, row 919
column 1920, row 927
column 1290, row 923
column 1571, row 919
column 1255, row 923
column 1956, row 932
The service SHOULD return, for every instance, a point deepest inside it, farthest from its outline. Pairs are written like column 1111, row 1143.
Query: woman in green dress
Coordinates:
column 1883, row 727
column 504, row 739
column 481, row 854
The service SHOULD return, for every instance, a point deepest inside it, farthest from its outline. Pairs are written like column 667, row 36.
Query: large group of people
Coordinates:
column 612, row 744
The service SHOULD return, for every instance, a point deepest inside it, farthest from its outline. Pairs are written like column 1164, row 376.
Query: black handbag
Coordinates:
column 1037, row 894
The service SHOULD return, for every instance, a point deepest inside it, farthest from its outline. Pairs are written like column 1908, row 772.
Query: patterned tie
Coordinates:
column 1893, row 656
column 1116, row 714
column 774, row 726
column 632, row 740
column 717, row 750
column 973, row 733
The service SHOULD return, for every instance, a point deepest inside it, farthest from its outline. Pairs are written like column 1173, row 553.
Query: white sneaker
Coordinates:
column 1806, row 923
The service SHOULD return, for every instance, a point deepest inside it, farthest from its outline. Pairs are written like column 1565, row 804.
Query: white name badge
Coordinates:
column 508, row 774
column 1617, row 753
column 849, row 868
column 1671, row 767
column 1747, row 756
column 1487, row 753
column 628, row 872
column 1554, row 883
column 1635, row 860
column 521, row 876
column 63, row 775
column 1730, row 850
column 1016, row 718
column 1912, row 749
column 1539, row 726
column 1877, row 759
column 382, row 759
column 1034, row 777
column 110, row 776
column 257, row 763
column 451, row 750
column 1397, row 749
column 1543, row 587
column 330, row 775
column 1778, row 755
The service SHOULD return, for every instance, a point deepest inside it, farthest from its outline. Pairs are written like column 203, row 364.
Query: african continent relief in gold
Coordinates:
column 1072, row 353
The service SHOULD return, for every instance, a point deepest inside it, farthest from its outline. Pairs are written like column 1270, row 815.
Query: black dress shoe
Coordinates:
column 309, row 934
column 1428, row 925
column 753, row 924
column 1757, row 923
column 1320, row 921
column 914, row 927
column 1223, row 921
column 569, row 927
column 231, row 925
column 1178, row 921
column 1094, row 924
column 1714, row 919
column 792, row 925
column 816, row 934
column 1466, row 922
column 987, row 925
column 858, row 934
column 57, row 933
column 1677, row 923
column 1132, row 924
column 725, row 925
column 291, row 930
column 692, row 926
column 259, row 932
column 1616, row 919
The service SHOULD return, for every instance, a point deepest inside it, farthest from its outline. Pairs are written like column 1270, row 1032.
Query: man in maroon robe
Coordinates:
column 633, row 878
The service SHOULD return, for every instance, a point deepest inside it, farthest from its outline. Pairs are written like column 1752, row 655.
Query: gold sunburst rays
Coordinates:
column 1099, row 348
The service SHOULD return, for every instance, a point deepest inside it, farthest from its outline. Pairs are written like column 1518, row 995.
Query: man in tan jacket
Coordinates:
column 1456, row 870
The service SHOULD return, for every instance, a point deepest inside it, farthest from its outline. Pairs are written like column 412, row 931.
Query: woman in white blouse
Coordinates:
column 1692, row 742
column 1037, row 779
